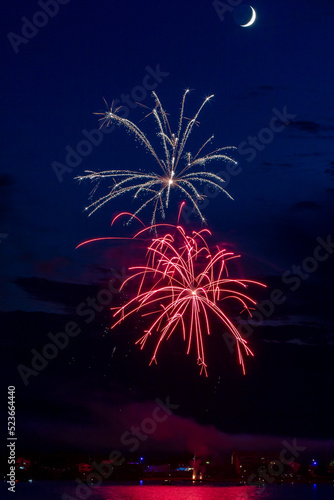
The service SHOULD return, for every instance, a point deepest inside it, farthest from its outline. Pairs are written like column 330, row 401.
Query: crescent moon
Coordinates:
column 252, row 19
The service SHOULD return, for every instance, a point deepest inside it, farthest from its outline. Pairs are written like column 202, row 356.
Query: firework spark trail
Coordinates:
column 182, row 284
column 152, row 187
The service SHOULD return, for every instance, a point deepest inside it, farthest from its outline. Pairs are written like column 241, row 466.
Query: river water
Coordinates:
column 47, row 490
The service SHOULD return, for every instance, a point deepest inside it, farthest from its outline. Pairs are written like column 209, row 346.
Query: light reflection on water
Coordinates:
column 153, row 492
column 48, row 490
column 216, row 492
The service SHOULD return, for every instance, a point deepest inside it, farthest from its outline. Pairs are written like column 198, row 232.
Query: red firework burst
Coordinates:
column 182, row 284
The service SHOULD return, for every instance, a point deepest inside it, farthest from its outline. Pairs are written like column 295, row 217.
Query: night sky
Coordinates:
column 273, row 99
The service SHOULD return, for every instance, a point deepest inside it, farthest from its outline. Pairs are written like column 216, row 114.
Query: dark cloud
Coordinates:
column 307, row 155
column 312, row 127
column 305, row 205
column 306, row 126
column 93, row 379
column 68, row 295
column 290, row 333
column 298, row 342
column 274, row 164
column 260, row 91
column 177, row 434
column 331, row 169
column 98, row 423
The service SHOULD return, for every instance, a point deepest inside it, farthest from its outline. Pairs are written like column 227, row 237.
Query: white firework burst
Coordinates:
column 177, row 169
